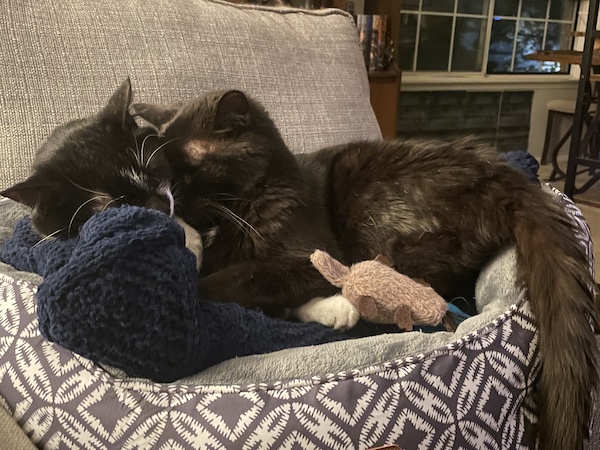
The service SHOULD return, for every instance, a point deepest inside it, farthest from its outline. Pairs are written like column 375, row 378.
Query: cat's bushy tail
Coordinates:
column 552, row 264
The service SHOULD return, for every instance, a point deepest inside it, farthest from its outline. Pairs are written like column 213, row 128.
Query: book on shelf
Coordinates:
column 372, row 31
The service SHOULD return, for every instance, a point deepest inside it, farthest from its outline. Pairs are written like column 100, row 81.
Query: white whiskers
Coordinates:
column 160, row 147
column 144, row 144
column 79, row 209
column 169, row 195
column 50, row 236
column 101, row 194
column 112, row 201
column 136, row 156
column 226, row 213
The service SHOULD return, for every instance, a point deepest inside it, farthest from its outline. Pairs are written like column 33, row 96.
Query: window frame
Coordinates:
column 433, row 77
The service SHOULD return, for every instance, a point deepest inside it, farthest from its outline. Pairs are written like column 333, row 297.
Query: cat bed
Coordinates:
column 124, row 293
column 471, row 388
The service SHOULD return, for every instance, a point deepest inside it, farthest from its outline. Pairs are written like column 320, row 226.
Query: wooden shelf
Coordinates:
column 390, row 73
column 385, row 85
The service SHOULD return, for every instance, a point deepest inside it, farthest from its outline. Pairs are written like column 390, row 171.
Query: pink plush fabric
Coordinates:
column 381, row 294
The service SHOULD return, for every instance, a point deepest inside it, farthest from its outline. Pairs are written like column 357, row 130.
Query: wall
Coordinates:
column 500, row 118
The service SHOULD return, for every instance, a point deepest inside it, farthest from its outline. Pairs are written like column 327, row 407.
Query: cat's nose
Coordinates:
column 159, row 203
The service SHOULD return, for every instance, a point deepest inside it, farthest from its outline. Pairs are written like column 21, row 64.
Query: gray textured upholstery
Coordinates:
column 11, row 435
column 62, row 60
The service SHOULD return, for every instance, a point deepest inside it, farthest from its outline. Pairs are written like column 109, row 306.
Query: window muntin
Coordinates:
column 484, row 36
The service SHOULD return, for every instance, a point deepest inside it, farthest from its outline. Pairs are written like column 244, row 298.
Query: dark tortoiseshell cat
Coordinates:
column 438, row 210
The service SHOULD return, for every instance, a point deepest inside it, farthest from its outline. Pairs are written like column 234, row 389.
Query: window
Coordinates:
column 486, row 36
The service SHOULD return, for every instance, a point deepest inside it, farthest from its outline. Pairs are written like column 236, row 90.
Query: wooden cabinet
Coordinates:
column 385, row 94
column 385, row 86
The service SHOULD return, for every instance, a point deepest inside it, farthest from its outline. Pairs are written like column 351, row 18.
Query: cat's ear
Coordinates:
column 233, row 111
column 156, row 115
column 28, row 191
column 116, row 111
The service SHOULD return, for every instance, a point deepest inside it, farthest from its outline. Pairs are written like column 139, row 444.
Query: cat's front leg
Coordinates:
column 193, row 240
column 276, row 286
column 335, row 311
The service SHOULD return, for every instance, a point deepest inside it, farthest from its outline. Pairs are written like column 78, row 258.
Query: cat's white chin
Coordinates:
column 335, row 312
column 193, row 241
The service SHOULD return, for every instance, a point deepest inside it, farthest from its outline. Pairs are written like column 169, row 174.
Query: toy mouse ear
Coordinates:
column 366, row 307
column 403, row 318
column 383, row 260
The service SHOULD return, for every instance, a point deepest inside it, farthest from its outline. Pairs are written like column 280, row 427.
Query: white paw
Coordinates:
column 336, row 312
column 193, row 241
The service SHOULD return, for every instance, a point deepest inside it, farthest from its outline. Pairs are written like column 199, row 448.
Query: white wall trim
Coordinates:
column 451, row 82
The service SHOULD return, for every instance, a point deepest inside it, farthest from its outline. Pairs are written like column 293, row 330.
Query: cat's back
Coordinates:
column 406, row 165
column 382, row 190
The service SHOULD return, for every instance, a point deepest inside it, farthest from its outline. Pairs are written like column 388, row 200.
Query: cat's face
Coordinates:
column 221, row 146
column 91, row 164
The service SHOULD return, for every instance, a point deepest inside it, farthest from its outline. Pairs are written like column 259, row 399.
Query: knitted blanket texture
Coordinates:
column 124, row 293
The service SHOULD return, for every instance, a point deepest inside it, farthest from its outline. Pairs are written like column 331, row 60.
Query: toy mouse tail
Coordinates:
column 331, row 269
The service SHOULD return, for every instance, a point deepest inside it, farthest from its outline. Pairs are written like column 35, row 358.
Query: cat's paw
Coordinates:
column 193, row 241
column 335, row 312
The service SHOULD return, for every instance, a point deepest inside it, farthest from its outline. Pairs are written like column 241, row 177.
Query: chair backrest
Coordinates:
column 62, row 60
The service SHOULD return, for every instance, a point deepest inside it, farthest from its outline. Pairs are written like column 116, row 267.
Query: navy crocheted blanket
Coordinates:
column 124, row 293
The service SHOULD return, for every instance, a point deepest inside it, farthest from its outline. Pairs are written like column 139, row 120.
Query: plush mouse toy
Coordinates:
column 381, row 294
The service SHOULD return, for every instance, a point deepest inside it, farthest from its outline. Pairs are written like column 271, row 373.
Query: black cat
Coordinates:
column 438, row 210
column 93, row 163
